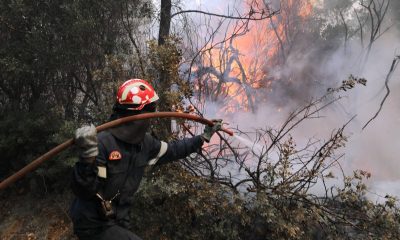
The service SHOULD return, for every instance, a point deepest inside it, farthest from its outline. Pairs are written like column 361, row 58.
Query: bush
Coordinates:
column 24, row 136
column 173, row 204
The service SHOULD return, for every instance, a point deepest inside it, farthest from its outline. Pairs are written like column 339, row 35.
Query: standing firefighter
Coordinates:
column 112, row 163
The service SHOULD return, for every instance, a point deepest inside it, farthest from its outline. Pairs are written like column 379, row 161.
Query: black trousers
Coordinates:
column 111, row 233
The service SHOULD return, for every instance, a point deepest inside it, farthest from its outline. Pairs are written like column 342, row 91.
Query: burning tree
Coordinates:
column 286, row 56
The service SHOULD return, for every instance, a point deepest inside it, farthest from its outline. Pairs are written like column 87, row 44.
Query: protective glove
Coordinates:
column 209, row 131
column 86, row 141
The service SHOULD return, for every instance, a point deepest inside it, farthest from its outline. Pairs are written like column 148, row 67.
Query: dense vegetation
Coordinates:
column 60, row 64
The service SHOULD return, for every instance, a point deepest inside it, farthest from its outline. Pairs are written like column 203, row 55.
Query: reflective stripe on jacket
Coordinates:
column 119, row 167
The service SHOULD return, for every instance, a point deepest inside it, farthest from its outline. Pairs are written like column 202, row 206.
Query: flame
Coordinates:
column 307, row 8
column 251, row 52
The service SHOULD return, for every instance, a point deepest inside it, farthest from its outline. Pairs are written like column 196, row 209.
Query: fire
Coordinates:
column 240, row 62
column 306, row 8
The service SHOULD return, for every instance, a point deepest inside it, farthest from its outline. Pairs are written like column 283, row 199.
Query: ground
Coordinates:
column 28, row 217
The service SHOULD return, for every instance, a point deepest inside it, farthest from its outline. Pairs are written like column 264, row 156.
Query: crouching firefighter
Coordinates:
column 111, row 164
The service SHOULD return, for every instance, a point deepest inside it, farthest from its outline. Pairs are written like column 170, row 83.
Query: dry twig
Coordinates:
column 389, row 75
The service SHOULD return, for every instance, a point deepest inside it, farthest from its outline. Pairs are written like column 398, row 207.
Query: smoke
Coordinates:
column 375, row 149
column 319, row 59
column 315, row 68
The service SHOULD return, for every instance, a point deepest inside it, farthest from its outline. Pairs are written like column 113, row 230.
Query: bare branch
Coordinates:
column 249, row 16
column 389, row 75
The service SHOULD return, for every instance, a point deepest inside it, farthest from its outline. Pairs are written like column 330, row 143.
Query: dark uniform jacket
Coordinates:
column 117, row 172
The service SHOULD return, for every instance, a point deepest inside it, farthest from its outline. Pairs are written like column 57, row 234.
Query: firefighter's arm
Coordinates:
column 163, row 152
column 167, row 152
column 86, row 172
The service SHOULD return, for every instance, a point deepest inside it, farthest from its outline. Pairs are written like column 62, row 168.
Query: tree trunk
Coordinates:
column 163, row 34
column 165, row 21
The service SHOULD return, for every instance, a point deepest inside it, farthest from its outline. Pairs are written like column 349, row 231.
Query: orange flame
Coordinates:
column 251, row 51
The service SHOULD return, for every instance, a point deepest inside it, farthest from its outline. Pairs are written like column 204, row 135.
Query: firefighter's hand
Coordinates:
column 86, row 141
column 209, row 131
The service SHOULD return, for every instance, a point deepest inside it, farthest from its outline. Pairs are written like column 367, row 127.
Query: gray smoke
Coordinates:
column 316, row 62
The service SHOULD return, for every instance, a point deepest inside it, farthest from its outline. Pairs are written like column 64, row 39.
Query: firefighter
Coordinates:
column 111, row 164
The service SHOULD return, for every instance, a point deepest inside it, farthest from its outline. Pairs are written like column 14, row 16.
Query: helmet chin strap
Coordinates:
column 132, row 132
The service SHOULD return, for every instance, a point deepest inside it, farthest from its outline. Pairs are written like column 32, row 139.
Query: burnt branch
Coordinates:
column 252, row 15
column 388, row 76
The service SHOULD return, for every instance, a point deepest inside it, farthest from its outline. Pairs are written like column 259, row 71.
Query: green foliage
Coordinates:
column 172, row 204
column 27, row 135
column 378, row 221
column 60, row 65
column 64, row 54
column 47, row 178
column 107, row 79
column 172, row 89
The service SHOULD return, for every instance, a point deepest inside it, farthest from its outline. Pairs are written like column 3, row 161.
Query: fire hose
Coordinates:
column 38, row 161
